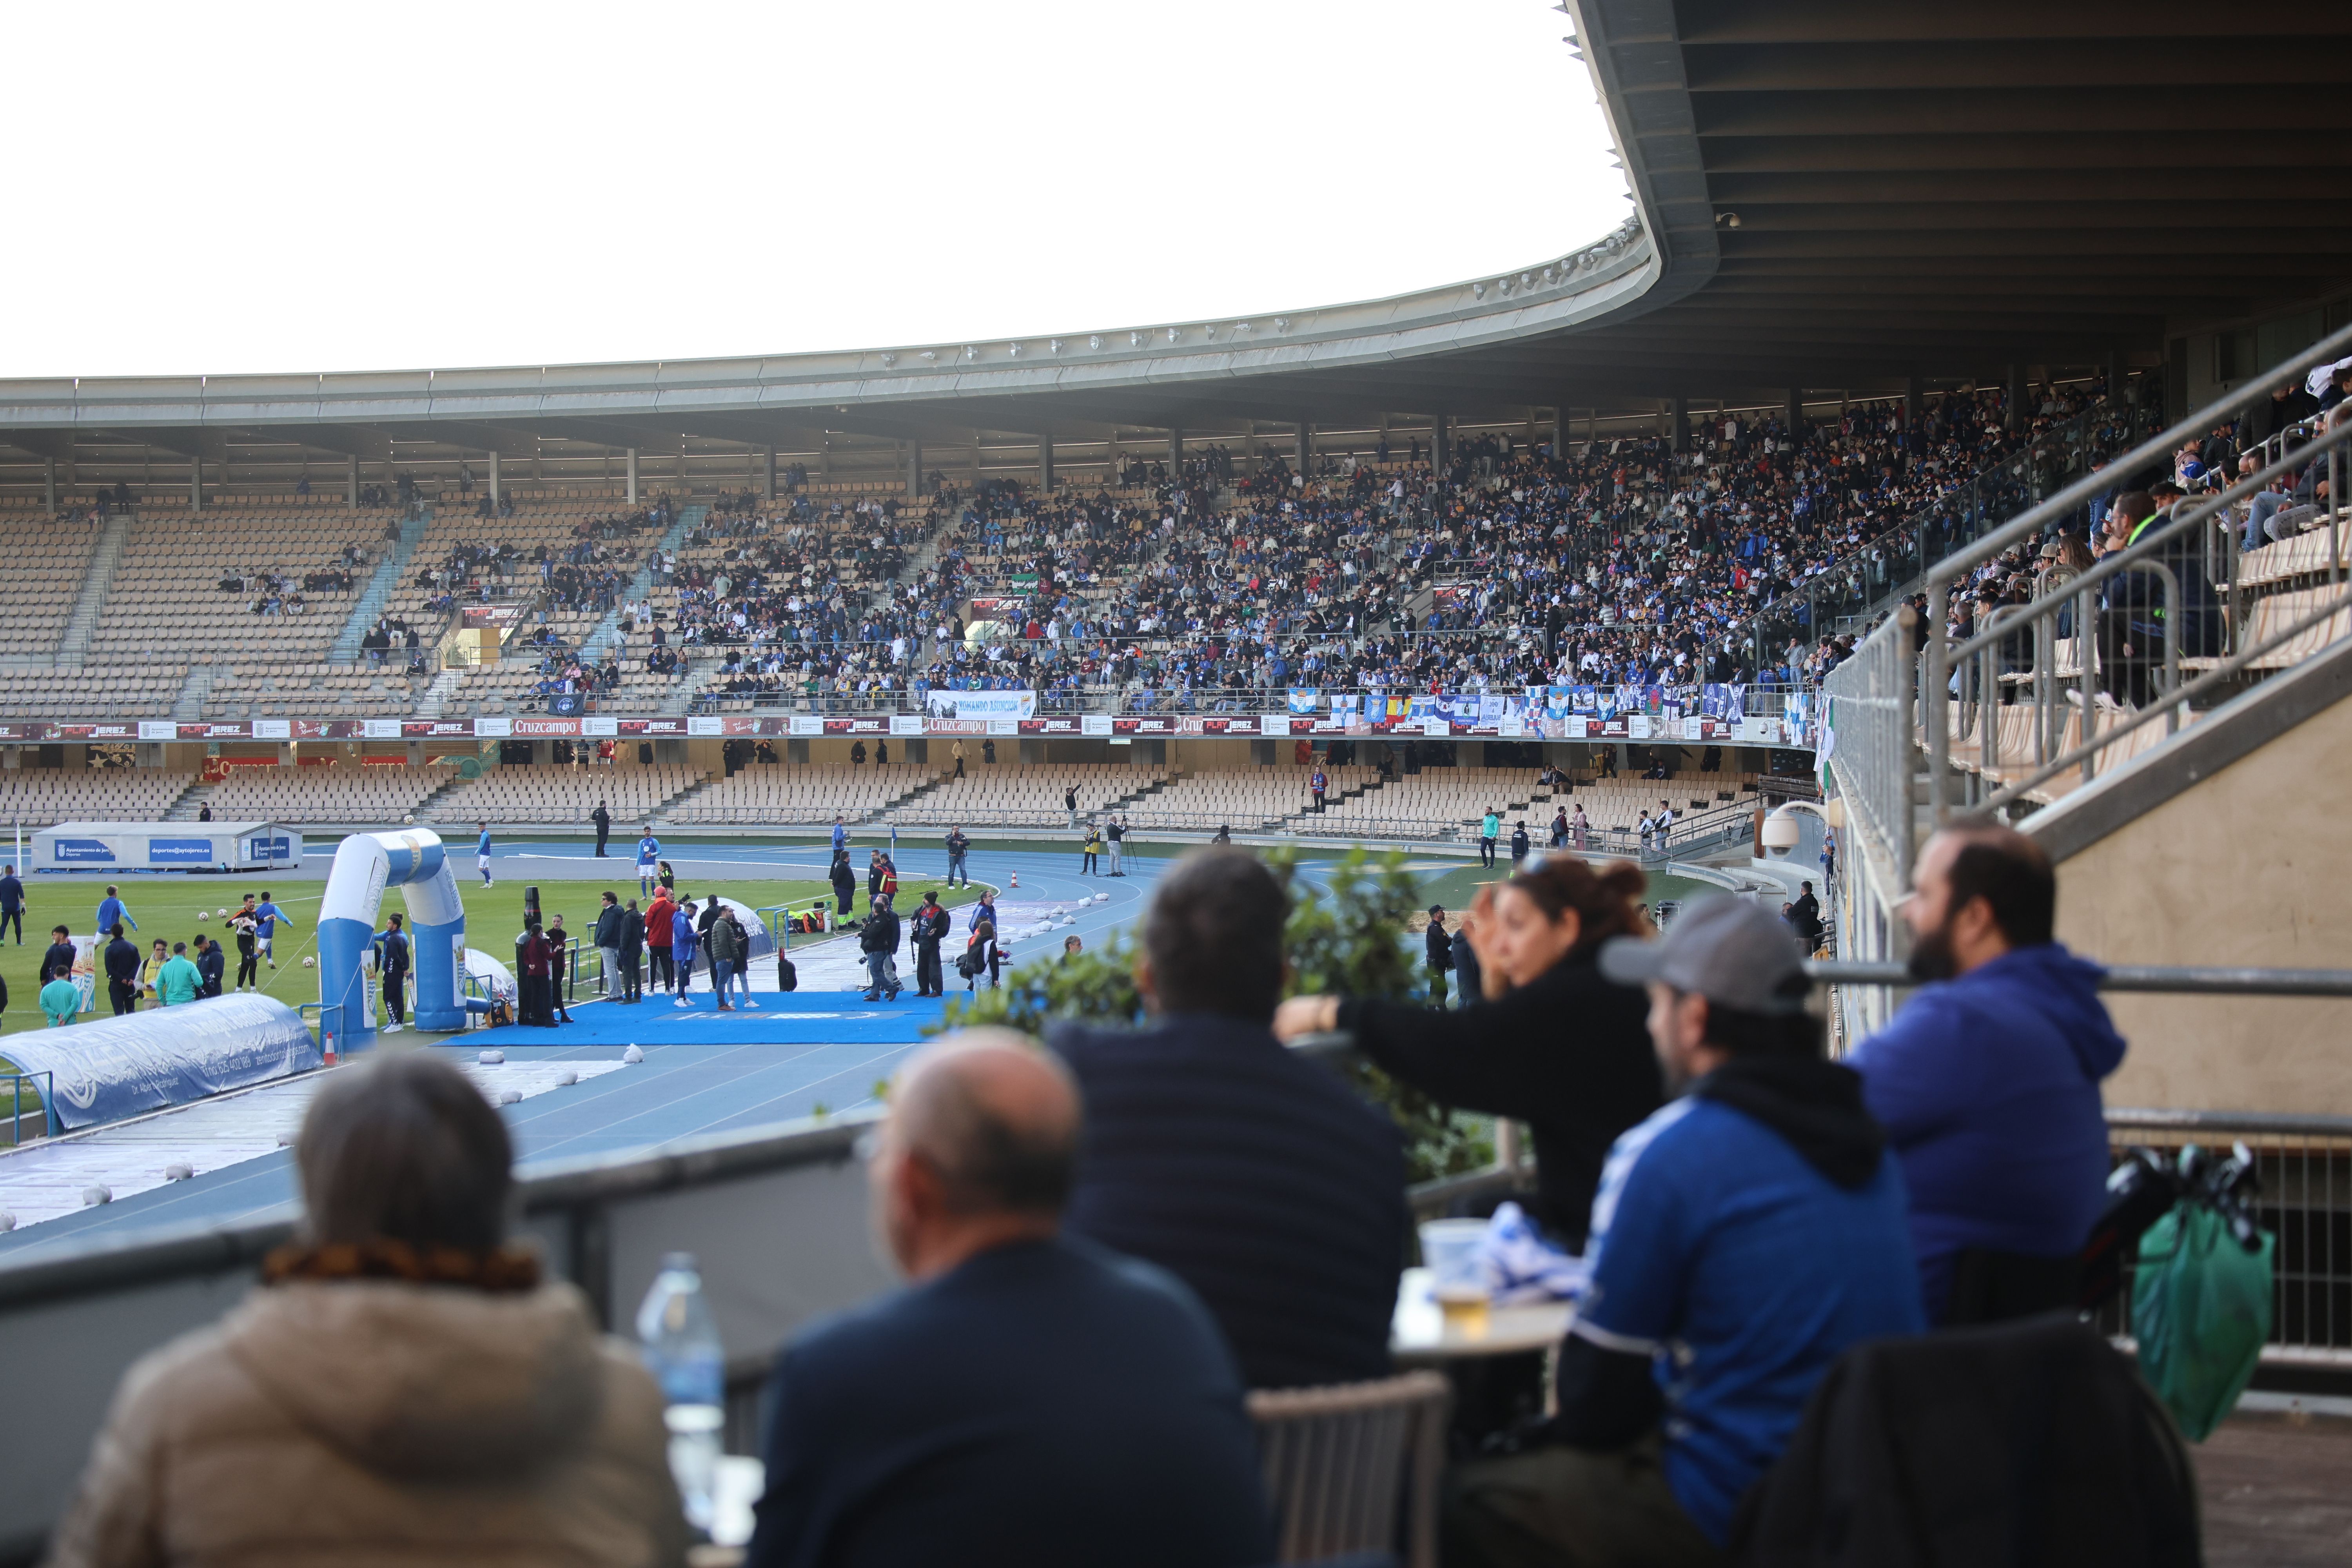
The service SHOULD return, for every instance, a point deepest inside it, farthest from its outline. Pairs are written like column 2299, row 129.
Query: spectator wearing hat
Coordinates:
column 1744, row 1235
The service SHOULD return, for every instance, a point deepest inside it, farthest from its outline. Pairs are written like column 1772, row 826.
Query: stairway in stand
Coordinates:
column 104, row 558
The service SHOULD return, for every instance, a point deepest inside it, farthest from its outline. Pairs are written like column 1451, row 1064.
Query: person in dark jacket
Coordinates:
column 210, row 965
column 1469, row 986
column 59, row 957
column 1804, row 917
column 393, row 947
column 927, row 931
column 1440, row 945
column 844, row 882
column 606, row 937
column 1259, row 1179
column 121, row 959
column 1028, row 1397
column 1987, row 1080
column 603, row 818
column 534, row 977
column 633, row 948
column 1552, row 1043
column 878, row 941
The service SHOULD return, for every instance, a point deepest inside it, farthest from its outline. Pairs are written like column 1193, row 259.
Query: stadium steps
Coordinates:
column 882, row 811
column 190, row 801
column 73, row 646
column 189, row 706
column 381, row 583
column 437, row 696
column 659, row 816
column 591, row 647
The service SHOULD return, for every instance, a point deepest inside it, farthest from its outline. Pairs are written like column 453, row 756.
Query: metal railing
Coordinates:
column 1870, row 705
column 2066, row 729
column 43, row 1102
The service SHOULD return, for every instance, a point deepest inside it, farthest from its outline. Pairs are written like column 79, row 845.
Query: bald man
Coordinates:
column 1027, row 1398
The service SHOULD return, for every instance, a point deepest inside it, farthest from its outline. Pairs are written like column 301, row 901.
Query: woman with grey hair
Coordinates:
column 404, row 1386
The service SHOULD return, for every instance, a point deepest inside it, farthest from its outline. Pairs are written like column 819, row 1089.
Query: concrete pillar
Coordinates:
column 50, row 482
column 633, row 476
column 1305, row 453
column 1175, row 450
column 2016, row 384
column 497, row 495
column 1045, row 460
column 1912, row 395
column 1793, row 415
column 352, row 483
column 913, row 467
column 1438, row 457
column 1680, row 413
column 2114, row 376
column 772, row 471
column 195, row 485
column 1561, row 418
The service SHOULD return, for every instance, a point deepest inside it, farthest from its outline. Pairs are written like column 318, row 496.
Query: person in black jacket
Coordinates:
column 879, row 942
column 1256, row 1177
column 928, row 929
column 603, row 821
column 1551, row 1043
column 844, row 881
column 1440, row 944
column 1467, row 981
column 633, row 947
column 60, row 958
column 210, row 963
column 121, row 971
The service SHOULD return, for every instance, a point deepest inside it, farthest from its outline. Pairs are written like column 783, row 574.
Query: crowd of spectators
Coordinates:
column 1221, row 582
column 1107, row 1241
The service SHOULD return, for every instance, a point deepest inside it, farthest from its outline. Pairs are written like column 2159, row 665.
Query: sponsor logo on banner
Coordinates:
column 1004, row 726
column 476, row 616
column 1145, row 724
column 494, row 729
column 224, row 732
column 1274, row 724
column 1060, row 724
column 1436, row 727
column 709, row 724
column 274, row 729
column 906, row 723
column 932, row 726
column 179, row 852
column 806, row 724
column 875, row 724
column 997, row 609
column 81, row 851
column 1575, row 726
column 426, row 728
column 596, row 725
column 653, row 726
column 981, row 705
column 158, row 729
column 380, row 729
column 1641, row 727
column 97, row 732
column 547, row 727
column 1094, row 724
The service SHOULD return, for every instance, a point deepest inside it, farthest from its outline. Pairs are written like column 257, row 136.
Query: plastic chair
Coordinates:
column 1340, row 1458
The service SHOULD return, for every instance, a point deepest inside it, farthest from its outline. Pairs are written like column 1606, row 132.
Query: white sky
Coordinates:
column 300, row 187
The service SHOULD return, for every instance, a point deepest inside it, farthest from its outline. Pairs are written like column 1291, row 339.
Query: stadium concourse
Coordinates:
column 817, row 1050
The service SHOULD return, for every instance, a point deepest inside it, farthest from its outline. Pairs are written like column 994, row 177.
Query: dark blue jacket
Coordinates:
column 1989, row 1088
column 1256, row 1177
column 1044, row 1405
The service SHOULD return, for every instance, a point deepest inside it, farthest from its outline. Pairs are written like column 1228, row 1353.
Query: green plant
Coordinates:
column 1344, row 934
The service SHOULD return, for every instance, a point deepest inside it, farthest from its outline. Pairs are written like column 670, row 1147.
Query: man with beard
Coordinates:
column 1988, row 1082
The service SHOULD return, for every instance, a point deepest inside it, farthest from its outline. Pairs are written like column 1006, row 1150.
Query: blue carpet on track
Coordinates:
column 781, row 1018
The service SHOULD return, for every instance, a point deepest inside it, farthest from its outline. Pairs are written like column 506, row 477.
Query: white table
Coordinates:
column 1420, row 1335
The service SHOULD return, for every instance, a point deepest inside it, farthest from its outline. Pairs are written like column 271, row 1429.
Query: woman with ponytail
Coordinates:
column 1549, row 1042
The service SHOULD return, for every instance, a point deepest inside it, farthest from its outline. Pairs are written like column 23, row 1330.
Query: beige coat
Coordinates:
column 372, row 1422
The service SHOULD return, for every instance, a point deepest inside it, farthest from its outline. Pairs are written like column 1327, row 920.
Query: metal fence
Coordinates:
column 1869, row 704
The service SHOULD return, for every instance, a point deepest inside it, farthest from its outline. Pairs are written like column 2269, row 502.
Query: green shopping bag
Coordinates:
column 2202, row 1312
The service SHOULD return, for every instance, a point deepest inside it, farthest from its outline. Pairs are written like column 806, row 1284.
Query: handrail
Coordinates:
column 2164, row 978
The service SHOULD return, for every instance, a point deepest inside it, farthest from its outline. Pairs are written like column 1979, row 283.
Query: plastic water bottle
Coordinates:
column 681, row 1348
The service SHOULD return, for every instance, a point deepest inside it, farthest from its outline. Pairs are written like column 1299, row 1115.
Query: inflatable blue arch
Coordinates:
column 413, row 860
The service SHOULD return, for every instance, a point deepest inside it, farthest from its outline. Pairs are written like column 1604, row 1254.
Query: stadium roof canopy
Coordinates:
column 1830, row 193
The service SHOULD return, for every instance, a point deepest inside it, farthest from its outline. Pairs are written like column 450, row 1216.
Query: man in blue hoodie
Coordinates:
column 1987, row 1082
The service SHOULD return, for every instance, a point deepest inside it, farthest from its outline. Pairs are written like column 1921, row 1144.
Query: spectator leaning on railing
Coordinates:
column 1744, row 1235
column 1988, row 1081
column 402, row 1387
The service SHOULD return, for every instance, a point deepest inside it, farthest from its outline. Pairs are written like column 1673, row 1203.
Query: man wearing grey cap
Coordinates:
column 1744, row 1236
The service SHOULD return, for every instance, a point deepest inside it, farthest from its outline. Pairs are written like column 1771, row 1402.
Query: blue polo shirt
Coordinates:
column 110, row 910
column 648, row 849
column 1743, row 1271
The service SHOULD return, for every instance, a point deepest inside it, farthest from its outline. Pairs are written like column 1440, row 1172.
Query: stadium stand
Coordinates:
column 44, row 555
column 1015, row 794
column 564, row 796
column 782, row 795
column 35, row 797
column 363, row 796
column 266, row 586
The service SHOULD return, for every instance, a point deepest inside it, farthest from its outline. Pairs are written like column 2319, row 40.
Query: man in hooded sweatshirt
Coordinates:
column 1988, row 1081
